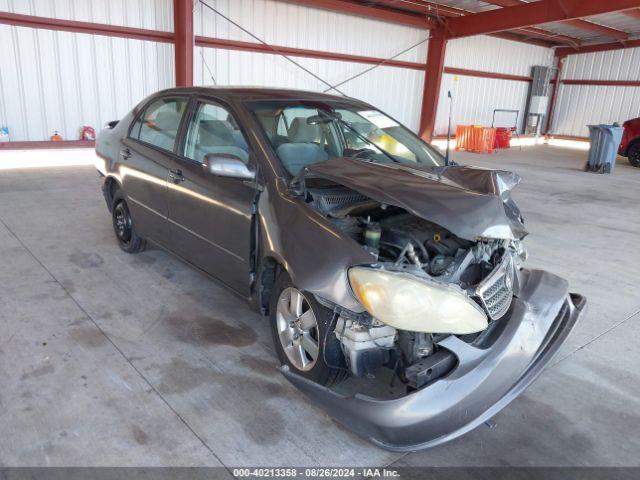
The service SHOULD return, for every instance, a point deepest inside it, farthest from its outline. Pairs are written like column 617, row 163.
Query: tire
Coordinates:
column 328, row 366
column 633, row 154
column 123, row 226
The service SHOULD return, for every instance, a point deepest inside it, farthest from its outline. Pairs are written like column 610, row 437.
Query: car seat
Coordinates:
column 217, row 136
column 302, row 151
column 163, row 132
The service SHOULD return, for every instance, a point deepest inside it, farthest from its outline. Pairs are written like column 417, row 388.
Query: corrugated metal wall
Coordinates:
column 291, row 25
column 491, row 54
column 621, row 64
column 474, row 98
column 581, row 105
column 395, row 90
column 151, row 14
column 61, row 81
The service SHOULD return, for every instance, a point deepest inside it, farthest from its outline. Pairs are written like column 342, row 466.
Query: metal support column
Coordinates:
column 184, row 41
column 432, row 81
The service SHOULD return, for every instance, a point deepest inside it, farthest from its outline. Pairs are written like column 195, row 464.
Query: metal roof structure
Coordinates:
column 587, row 30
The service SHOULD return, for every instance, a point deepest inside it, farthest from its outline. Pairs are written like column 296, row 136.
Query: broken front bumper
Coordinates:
column 484, row 381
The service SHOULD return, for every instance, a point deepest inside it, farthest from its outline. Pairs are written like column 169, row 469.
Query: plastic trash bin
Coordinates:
column 603, row 148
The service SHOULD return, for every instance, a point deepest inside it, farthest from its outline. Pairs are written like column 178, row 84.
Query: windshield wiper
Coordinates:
column 336, row 117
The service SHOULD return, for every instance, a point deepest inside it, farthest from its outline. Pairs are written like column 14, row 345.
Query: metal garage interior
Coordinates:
column 115, row 360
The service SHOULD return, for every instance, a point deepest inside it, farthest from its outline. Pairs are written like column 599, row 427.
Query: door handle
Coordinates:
column 125, row 153
column 176, row 175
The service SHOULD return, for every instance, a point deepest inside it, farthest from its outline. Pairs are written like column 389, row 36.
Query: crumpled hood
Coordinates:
column 470, row 202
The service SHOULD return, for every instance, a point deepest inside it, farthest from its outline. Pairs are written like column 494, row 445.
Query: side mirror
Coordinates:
column 227, row 165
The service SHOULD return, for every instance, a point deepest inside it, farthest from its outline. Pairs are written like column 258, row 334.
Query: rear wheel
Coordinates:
column 123, row 226
column 301, row 336
column 634, row 154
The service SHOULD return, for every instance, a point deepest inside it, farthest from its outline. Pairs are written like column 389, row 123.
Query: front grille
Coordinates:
column 496, row 291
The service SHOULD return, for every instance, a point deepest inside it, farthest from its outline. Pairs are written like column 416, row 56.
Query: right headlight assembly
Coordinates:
column 408, row 303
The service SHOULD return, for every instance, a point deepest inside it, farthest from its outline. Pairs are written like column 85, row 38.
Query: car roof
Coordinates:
column 262, row 93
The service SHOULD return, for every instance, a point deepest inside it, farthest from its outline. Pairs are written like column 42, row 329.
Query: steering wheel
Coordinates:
column 363, row 151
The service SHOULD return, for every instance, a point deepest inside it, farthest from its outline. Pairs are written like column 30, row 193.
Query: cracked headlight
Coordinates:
column 407, row 303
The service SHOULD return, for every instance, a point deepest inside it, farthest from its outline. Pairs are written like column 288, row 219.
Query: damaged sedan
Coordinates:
column 393, row 280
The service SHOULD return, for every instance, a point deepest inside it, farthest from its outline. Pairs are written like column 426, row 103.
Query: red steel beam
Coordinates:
column 530, row 14
column 387, row 15
column 184, row 42
column 597, row 28
column 578, row 23
column 436, row 10
column 300, row 52
column 483, row 74
column 424, row 8
column 606, row 83
column 211, row 42
column 85, row 27
column 430, row 8
column 549, row 36
column 518, row 38
column 600, row 47
column 432, row 82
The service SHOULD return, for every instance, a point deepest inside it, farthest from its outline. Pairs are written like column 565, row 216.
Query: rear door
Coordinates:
column 145, row 158
column 210, row 216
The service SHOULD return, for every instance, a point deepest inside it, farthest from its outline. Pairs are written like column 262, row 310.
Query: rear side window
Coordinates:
column 159, row 123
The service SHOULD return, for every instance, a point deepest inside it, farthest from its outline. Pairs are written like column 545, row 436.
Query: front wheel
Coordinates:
column 123, row 226
column 634, row 154
column 301, row 334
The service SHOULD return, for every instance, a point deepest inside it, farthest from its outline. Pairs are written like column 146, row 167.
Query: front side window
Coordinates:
column 158, row 125
column 214, row 130
column 306, row 132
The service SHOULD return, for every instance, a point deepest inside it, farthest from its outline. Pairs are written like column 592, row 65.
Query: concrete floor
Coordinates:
column 113, row 359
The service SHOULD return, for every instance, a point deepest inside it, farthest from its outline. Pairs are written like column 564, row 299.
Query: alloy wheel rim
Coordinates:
column 297, row 329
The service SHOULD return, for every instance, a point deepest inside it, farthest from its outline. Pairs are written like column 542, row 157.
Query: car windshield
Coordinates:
column 306, row 132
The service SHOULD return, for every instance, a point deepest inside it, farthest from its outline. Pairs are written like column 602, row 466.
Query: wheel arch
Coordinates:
column 109, row 188
column 633, row 142
column 270, row 267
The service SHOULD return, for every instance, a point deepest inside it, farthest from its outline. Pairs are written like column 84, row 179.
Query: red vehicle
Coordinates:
column 630, row 144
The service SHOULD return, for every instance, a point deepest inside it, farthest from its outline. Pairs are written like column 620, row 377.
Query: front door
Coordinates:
column 210, row 216
column 145, row 158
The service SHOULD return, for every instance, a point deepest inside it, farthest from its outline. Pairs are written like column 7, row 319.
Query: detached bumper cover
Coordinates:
column 483, row 383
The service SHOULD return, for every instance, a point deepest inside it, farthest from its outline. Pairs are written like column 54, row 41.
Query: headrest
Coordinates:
column 232, row 122
column 166, row 120
column 363, row 128
column 301, row 132
column 216, row 132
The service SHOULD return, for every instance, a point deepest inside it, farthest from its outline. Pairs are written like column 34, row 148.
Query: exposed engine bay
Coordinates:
column 398, row 241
